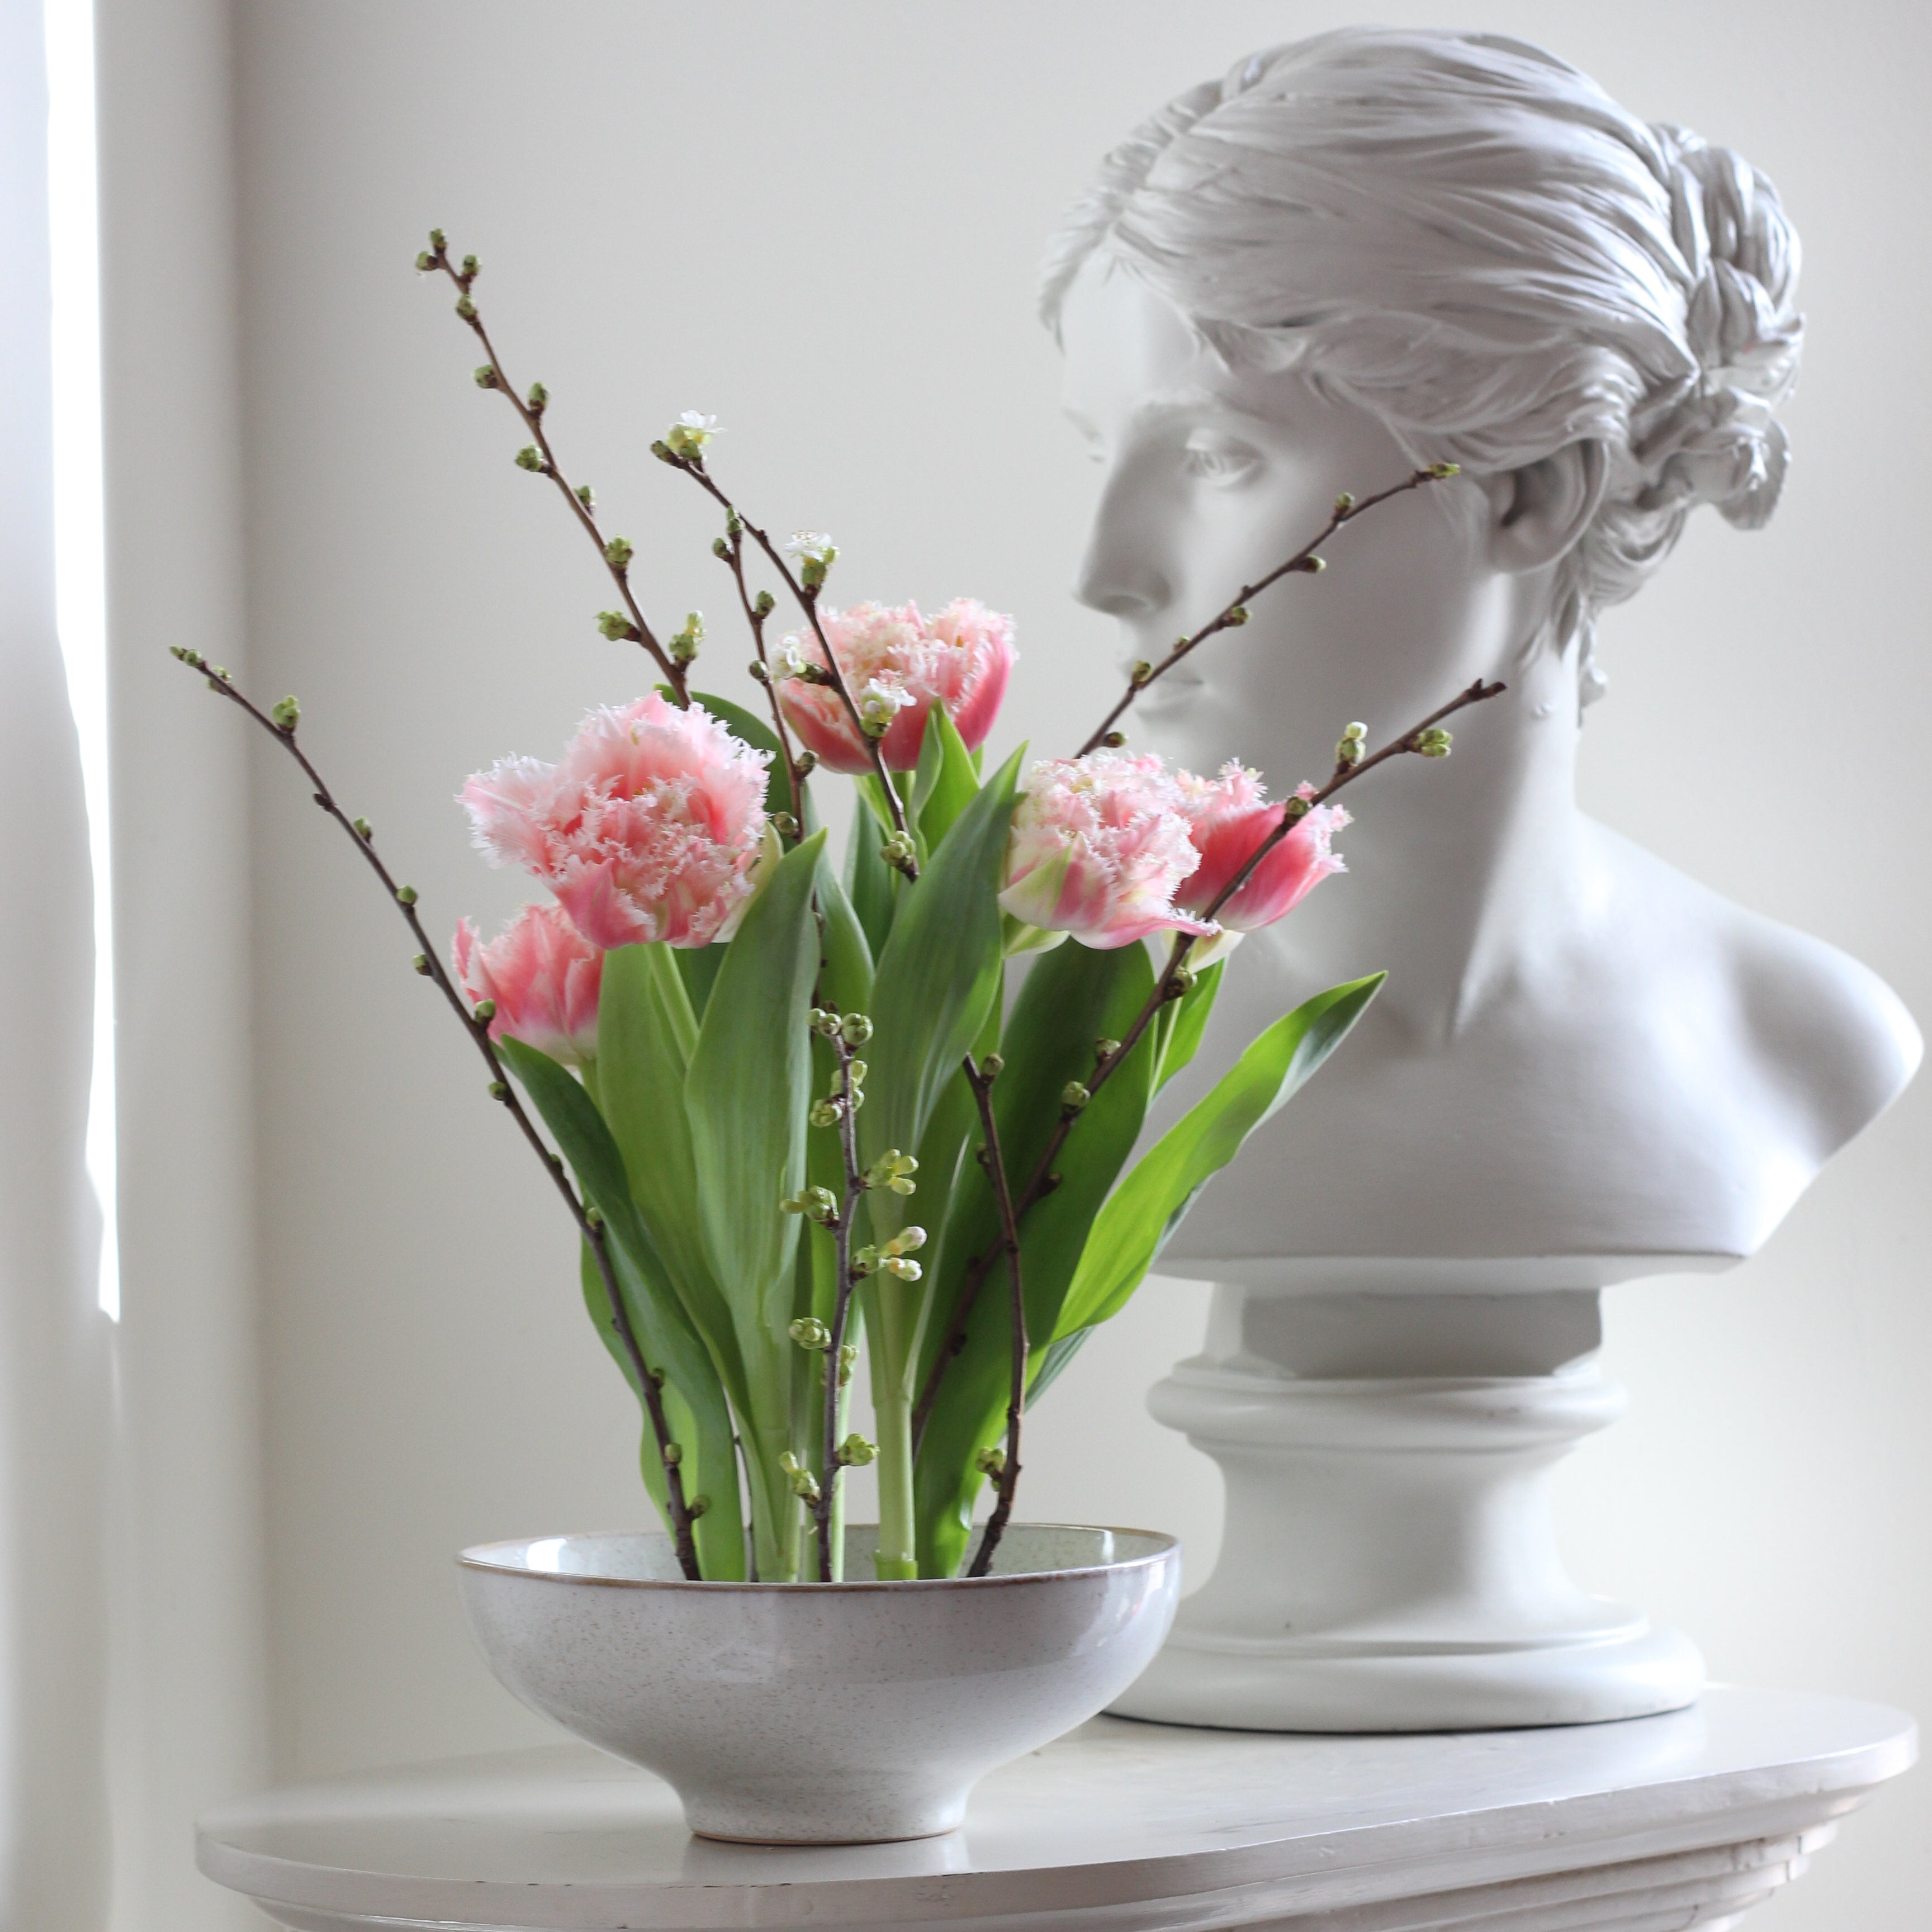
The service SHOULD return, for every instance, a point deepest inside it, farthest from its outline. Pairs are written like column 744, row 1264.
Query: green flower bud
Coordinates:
column 1237, row 617
column 673, row 1454
column 825, row 1113
column 855, row 1451
column 721, row 550
column 486, row 1010
column 406, row 896
column 1073, row 1097
column 498, row 1091
column 807, row 763
column 663, row 452
column 907, row 1241
column 471, row 266
column 763, row 604
column 857, row 1029
column 1442, row 471
column 1141, row 672
column 808, row 1332
column 992, row 1066
column 1114, row 740
column 421, row 963
column 363, row 830
column 466, row 308
column 1105, row 1049
column 438, row 240
column 1344, row 503
column 286, row 713
column 529, row 457
column 1315, row 565
column 618, row 553
column 697, row 1506
column 483, row 376
column 425, row 261
column 990, row 1461
column 617, row 626
column 538, row 400
column 906, row 1271
column 848, row 1360
column 784, row 825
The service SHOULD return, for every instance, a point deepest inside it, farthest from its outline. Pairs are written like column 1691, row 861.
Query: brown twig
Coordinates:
column 615, row 552
column 589, row 1224
column 805, row 596
column 1170, row 985
column 832, row 1465
column 980, row 1076
column 729, row 550
column 1234, row 613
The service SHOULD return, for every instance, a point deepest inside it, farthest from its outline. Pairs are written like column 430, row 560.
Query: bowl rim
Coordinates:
column 478, row 1557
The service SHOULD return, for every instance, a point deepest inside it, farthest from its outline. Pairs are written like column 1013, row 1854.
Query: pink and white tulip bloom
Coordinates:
column 898, row 664
column 1227, row 818
column 1098, row 846
column 543, row 976
column 651, row 827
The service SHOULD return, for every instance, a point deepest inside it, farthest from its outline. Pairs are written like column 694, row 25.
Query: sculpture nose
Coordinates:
column 1121, row 572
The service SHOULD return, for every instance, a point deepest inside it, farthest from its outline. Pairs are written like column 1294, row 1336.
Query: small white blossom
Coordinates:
column 788, row 661
column 700, row 428
column 813, row 543
column 878, row 704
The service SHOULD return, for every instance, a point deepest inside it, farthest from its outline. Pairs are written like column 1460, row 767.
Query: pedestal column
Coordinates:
column 1390, row 1562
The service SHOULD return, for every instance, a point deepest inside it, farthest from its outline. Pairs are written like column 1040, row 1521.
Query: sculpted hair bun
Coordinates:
column 1719, row 444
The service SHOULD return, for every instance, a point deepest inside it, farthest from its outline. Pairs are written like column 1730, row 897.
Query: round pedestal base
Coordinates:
column 1254, row 1687
column 1390, row 1562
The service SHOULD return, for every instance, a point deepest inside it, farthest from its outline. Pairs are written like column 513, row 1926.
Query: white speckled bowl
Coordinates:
column 813, row 1713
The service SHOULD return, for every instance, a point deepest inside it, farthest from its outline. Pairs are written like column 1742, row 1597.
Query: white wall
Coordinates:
column 821, row 221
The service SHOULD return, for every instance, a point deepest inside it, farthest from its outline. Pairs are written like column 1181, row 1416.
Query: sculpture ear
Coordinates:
column 1539, row 512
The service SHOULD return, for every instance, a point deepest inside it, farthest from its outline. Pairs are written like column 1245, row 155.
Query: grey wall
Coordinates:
column 821, row 222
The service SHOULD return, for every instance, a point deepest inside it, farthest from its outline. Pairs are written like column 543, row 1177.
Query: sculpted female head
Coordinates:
column 1383, row 248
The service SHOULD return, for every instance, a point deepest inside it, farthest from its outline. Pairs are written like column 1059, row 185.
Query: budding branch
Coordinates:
column 532, row 413
column 589, row 1225
column 806, row 598
column 1233, row 614
column 979, row 1077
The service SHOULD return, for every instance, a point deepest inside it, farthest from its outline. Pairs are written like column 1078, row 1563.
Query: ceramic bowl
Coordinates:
column 815, row 1713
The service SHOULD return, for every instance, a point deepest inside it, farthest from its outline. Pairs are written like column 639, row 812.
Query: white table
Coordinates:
column 1647, row 1826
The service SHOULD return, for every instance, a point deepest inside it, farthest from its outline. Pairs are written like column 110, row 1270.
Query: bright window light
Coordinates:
column 80, row 591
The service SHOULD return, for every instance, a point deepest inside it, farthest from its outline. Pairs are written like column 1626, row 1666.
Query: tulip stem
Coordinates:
column 980, row 1079
column 589, row 1225
column 1168, row 986
column 1233, row 614
column 531, row 413
column 806, row 598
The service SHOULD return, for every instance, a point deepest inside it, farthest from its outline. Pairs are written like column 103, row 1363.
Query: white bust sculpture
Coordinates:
column 1366, row 252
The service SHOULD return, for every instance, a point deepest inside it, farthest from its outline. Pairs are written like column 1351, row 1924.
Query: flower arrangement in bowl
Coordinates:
column 800, row 1124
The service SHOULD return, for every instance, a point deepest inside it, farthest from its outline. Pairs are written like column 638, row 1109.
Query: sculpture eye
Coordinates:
column 1221, row 460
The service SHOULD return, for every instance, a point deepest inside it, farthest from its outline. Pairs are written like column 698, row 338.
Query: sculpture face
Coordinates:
column 1212, row 477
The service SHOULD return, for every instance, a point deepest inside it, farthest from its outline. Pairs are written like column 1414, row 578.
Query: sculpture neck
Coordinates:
column 1463, row 870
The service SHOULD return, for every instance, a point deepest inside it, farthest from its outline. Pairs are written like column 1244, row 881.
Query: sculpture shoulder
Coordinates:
column 1829, row 1044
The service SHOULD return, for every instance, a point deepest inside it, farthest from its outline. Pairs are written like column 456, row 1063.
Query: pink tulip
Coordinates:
column 1228, row 818
column 543, row 976
column 649, row 828
column 897, row 665
column 1098, row 846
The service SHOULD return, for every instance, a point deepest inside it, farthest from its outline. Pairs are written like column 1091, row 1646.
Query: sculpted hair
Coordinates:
column 1469, row 238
